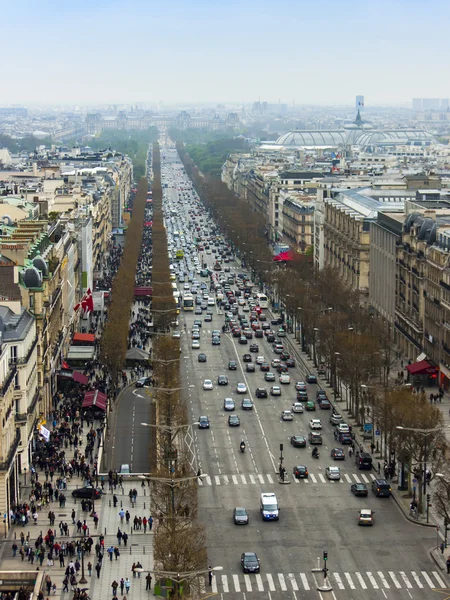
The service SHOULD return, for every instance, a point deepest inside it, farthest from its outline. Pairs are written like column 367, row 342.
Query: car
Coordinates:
column 286, row 415
column 342, row 428
column 125, row 469
column 285, row 378
column 300, row 472
column 87, row 492
column 240, row 516
column 337, row 454
column 222, row 380
column 228, row 404
column 142, row 382
column 247, row 358
column 268, row 376
column 310, row 405
column 333, row 473
column 278, row 348
column 315, row 424
column 290, row 362
column 314, row 437
column 335, row 419
column 198, row 311
column 234, row 421
column 195, row 335
column 275, row 362
column 298, row 441
column 202, row 357
column 275, row 390
column 247, row 404
column 297, row 407
column 243, row 340
column 208, row 317
column 261, row 393
column 195, row 345
column 241, row 388
column 345, row 438
column 300, row 386
column 232, row 365
column 359, row 489
column 215, row 341
column 254, row 348
column 365, row 516
column 381, row 488
column 264, row 367
column 207, row 384
column 311, row 378
column 260, row 360
column 176, row 335
column 324, row 404
column 250, row 562
column 197, row 323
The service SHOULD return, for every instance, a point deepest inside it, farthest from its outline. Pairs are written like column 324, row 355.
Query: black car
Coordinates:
column 250, row 562
column 311, row 378
column 203, row 422
column 232, row 365
column 298, row 441
column 240, row 516
column 222, row 380
column 261, row 393
column 247, row 404
column 345, row 438
column 300, row 472
column 314, row 437
column 290, row 362
column 142, row 382
column 234, row 421
column 250, row 368
column 254, row 348
column 337, row 454
column 247, row 358
column 264, row 367
column 359, row 489
column 87, row 492
column 324, row 404
column 202, row 357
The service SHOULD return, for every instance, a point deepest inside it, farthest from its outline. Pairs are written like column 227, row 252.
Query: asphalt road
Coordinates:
column 130, row 441
column 388, row 560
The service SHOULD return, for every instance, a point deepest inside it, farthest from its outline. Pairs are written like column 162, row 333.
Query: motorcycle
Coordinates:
column 315, row 454
column 242, row 447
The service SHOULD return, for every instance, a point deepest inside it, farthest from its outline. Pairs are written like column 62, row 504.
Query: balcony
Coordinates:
column 24, row 360
column 8, row 381
column 20, row 417
column 6, row 464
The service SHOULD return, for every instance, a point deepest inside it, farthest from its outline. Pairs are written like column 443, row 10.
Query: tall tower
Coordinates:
column 359, row 103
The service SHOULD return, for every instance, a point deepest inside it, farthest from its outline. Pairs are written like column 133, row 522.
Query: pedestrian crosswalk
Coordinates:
column 258, row 478
column 286, row 582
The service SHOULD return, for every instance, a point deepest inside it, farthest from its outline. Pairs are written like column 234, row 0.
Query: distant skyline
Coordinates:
column 238, row 51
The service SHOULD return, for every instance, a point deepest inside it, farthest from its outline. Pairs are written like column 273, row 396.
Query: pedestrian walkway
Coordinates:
column 260, row 479
column 365, row 580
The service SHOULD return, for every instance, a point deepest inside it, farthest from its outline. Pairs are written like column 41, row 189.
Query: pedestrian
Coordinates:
column 210, row 575
column 350, row 451
column 127, row 585
column 115, row 500
column 14, row 548
column 133, row 567
column 98, row 568
column 114, row 586
column 148, row 584
column 116, row 552
column 122, row 585
column 150, row 523
column 119, row 536
column 110, row 552
column 89, row 567
column 138, row 569
column 442, row 547
column 48, row 584
column 448, row 565
column 121, row 514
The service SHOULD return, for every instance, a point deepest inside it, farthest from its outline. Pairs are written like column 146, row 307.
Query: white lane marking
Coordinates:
column 417, row 579
column 235, row 480
column 438, row 579
column 383, row 579
column 405, row 579
column 372, row 477
column 248, row 583
column 261, row 478
column 224, row 583
column 365, row 478
column 313, row 478
column 226, row 480
column 252, row 479
column 322, row 478
column 357, row 479
column 293, row 582
column 270, row 582
column 283, row 585
column 214, row 585
column 350, row 581
column 217, row 479
column 339, row 581
column 372, row 580
column 348, row 478
column 304, row 581
column 362, row 583
column 269, row 478
column 394, row 579
column 296, row 479
column 259, row 582
column 428, row 579
column 237, row 585
column 208, row 480
column 243, row 479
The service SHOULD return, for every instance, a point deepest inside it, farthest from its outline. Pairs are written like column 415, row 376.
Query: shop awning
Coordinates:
column 75, row 375
column 422, row 367
column 95, row 398
column 83, row 338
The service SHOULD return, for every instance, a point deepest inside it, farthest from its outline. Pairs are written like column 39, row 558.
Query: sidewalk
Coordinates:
column 401, row 498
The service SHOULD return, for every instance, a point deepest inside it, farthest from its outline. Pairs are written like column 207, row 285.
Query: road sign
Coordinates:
column 414, row 480
column 377, row 432
column 368, row 427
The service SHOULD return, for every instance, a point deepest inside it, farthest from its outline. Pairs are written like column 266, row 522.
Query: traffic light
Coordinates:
column 325, row 555
column 281, row 447
column 428, row 498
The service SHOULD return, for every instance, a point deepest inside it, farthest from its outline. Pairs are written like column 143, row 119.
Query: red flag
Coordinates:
column 89, row 301
column 64, row 365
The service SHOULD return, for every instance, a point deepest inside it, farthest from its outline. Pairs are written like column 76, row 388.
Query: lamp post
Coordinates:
column 316, row 329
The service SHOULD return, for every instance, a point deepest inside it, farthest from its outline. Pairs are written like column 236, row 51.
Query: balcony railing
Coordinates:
column 20, row 417
column 24, row 360
column 5, row 465
column 8, row 381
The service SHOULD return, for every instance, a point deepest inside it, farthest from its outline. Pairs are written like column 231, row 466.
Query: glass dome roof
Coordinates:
column 356, row 137
column 313, row 138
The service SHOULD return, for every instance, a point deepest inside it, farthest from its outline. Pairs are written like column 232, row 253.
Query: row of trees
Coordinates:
column 180, row 541
column 114, row 341
column 352, row 348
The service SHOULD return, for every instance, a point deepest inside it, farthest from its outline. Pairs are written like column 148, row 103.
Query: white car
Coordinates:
column 207, row 384
column 297, row 407
column 260, row 360
column 176, row 334
column 241, row 388
column 315, row 424
column 285, row 378
column 195, row 345
column 333, row 473
column 275, row 390
column 343, row 428
column 286, row 415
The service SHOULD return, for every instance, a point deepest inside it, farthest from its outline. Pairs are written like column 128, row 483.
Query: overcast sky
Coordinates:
column 310, row 51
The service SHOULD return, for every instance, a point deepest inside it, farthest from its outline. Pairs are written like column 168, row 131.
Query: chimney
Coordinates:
column 35, row 170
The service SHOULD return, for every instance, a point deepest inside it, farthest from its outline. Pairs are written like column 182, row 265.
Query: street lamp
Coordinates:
column 316, row 329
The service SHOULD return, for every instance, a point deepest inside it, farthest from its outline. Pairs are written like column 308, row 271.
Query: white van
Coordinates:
column 269, row 507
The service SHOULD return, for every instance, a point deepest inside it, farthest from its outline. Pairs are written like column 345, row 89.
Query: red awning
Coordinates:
column 142, row 291
column 84, row 338
column 74, row 375
column 289, row 255
column 422, row 367
column 95, row 398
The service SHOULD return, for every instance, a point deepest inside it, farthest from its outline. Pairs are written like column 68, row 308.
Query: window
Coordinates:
column 13, row 353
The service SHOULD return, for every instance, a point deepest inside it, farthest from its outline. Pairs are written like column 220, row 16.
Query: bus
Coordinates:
column 262, row 301
column 188, row 302
column 176, row 295
column 179, row 254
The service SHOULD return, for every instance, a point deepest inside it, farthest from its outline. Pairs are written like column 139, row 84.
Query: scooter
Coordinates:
column 242, row 447
column 315, row 454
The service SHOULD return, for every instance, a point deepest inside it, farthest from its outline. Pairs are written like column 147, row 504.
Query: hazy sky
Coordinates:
column 313, row 51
